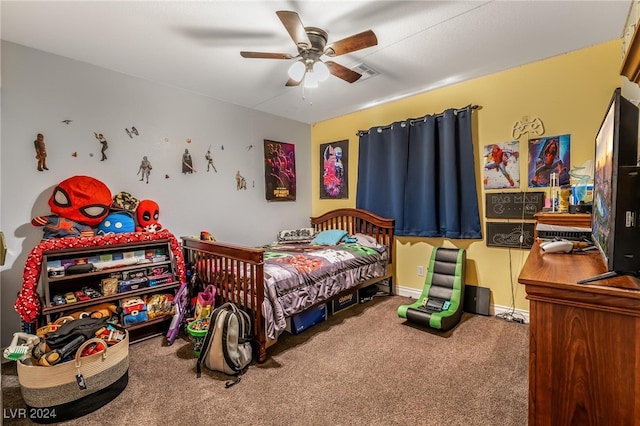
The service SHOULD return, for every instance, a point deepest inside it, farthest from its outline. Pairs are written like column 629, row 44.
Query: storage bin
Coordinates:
column 345, row 301
column 297, row 323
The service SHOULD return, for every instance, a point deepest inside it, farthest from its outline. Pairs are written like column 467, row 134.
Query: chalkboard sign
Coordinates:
column 514, row 205
column 506, row 234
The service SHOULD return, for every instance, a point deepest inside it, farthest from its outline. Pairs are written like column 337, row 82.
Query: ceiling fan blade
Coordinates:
column 342, row 72
column 293, row 24
column 266, row 55
column 292, row 82
column 351, row 44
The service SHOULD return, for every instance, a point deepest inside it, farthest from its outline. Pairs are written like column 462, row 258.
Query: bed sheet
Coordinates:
column 297, row 276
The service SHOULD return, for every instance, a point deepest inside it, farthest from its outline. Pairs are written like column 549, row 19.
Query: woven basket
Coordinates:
column 53, row 394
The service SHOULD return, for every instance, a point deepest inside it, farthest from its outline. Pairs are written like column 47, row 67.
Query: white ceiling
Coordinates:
column 422, row 45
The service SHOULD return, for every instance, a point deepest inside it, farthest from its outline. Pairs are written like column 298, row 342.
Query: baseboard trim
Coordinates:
column 493, row 309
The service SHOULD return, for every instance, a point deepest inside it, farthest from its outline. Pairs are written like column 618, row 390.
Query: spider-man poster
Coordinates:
column 501, row 166
column 333, row 166
column 546, row 156
column 280, row 171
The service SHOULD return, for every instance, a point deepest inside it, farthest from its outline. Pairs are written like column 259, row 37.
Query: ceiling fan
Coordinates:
column 312, row 44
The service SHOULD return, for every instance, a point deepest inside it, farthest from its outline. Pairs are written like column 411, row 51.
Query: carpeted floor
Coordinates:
column 364, row 366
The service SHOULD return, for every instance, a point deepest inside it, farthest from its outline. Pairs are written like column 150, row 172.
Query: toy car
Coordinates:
column 70, row 298
column 81, row 296
column 91, row 292
column 58, row 300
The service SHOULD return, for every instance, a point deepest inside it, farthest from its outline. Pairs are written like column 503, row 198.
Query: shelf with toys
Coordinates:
column 96, row 259
column 136, row 281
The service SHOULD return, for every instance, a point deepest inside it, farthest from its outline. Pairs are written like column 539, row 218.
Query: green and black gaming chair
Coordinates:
column 440, row 304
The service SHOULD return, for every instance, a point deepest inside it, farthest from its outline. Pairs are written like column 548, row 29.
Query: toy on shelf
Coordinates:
column 81, row 198
column 117, row 223
column 125, row 201
column 78, row 204
column 147, row 214
column 134, row 311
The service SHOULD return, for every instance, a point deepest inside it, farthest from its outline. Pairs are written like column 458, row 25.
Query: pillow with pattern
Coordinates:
column 296, row 236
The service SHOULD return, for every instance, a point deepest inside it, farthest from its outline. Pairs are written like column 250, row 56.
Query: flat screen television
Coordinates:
column 616, row 192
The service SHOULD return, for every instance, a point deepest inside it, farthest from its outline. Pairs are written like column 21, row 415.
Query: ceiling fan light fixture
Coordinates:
column 297, row 70
column 310, row 80
column 320, row 70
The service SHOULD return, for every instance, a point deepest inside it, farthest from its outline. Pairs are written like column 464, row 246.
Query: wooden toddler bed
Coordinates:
column 249, row 277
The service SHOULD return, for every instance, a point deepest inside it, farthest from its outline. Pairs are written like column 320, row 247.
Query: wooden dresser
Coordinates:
column 584, row 349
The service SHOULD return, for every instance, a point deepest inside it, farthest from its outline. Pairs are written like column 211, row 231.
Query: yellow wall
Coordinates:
column 569, row 93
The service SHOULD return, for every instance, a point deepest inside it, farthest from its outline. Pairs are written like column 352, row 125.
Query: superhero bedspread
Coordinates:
column 297, row 276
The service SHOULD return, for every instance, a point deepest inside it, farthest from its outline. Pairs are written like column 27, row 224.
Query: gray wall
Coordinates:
column 39, row 90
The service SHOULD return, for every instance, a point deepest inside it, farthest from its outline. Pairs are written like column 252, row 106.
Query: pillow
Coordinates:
column 366, row 240
column 330, row 237
column 295, row 236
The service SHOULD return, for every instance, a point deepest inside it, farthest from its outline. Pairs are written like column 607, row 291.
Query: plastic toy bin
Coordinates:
column 197, row 331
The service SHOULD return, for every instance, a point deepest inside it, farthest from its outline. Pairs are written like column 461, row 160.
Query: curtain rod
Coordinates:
column 415, row 120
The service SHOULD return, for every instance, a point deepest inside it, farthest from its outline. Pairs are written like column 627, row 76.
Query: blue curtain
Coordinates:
column 382, row 163
column 422, row 174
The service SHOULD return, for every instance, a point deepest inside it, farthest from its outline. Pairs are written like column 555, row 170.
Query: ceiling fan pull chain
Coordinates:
column 304, row 97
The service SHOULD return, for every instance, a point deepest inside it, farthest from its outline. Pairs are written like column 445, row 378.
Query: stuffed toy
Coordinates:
column 61, row 227
column 147, row 214
column 117, row 223
column 82, row 199
column 206, row 236
column 108, row 310
column 78, row 204
column 125, row 201
column 134, row 310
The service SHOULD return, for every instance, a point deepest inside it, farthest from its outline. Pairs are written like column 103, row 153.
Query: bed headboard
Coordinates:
column 357, row 221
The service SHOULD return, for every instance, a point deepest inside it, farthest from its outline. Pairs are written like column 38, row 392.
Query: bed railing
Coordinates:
column 237, row 273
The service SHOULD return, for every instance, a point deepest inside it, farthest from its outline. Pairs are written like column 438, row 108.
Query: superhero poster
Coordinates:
column 279, row 171
column 502, row 165
column 546, row 156
column 333, row 166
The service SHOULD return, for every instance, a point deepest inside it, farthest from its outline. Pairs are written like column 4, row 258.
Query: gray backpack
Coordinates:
column 227, row 345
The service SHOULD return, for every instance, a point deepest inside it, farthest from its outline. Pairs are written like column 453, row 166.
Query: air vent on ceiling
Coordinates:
column 366, row 71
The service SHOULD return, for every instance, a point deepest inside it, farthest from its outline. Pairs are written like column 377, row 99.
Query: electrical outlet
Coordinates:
column 421, row 271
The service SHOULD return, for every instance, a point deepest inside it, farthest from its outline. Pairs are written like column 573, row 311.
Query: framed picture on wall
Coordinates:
column 502, row 165
column 546, row 156
column 279, row 171
column 334, row 183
